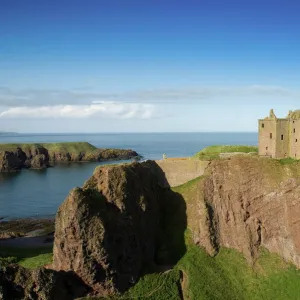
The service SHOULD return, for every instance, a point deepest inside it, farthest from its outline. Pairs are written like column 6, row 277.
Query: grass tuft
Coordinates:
column 288, row 161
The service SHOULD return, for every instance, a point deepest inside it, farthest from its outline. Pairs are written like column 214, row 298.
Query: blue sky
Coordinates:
column 101, row 66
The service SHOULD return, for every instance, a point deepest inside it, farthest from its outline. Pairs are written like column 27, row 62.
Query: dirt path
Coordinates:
column 184, row 285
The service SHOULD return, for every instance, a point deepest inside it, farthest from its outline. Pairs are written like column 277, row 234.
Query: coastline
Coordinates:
column 14, row 157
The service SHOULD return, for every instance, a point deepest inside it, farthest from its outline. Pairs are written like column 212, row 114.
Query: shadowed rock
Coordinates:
column 9, row 162
column 106, row 230
column 19, row 283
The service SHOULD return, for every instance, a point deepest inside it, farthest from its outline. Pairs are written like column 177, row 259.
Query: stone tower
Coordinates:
column 278, row 138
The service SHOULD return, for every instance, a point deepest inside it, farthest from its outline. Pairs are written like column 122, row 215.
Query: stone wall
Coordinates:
column 282, row 138
column 267, row 138
column 294, row 139
column 178, row 171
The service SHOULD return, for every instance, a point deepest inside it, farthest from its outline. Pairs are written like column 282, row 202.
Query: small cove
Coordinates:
column 38, row 193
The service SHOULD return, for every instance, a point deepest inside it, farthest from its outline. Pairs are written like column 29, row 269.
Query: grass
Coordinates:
column 229, row 276
column 155, row 287
column 288, row 161
column 36, row 261
column 213, row 152
column 27, row 257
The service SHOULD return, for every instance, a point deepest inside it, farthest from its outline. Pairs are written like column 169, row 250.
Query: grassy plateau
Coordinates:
column 213, row 152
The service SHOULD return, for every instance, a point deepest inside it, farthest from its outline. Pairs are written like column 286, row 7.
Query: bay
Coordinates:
column 38, row 193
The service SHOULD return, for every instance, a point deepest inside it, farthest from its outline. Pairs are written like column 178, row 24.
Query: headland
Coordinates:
column 14, row 157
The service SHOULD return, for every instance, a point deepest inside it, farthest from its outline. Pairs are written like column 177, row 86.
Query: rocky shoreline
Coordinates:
column 27, row 227
column 14, row 157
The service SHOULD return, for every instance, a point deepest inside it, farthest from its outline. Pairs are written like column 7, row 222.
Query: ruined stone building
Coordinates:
column 279, row 138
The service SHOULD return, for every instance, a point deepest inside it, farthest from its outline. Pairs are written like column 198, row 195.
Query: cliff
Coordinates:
column 123, row 223
column 106, row 230
column 246, row 203
column 38, row 156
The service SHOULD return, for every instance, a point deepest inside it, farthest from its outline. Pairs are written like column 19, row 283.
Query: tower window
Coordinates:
column 282, row 137
column 266, row 148
column 296, row 140
column 294, row 130
column 270, row 135
column 262, row 125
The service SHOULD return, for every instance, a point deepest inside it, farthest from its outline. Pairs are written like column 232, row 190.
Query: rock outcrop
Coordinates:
column 17, row 283
column 37, row 156
column 246, row 203
column 9, row 161
column 106, row 231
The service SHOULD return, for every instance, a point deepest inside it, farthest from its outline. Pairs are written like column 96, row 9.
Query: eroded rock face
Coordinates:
column 38, row 157
column 17, row 283
column 39, row 161
column 250, row 202
column 9, row 161
column 106, row 230
column 109, row 154
column 18, row 159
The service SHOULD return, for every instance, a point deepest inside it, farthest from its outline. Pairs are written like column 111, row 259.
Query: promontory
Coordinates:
column 14, row 157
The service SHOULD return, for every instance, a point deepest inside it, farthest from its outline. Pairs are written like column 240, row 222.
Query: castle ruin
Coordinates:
column 279, row 138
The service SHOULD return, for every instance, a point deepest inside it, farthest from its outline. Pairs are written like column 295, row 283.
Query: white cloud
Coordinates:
column 105, row 109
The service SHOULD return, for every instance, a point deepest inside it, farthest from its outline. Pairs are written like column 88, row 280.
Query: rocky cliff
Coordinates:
column 17, row 282
column 38, row 156
column 122, row 220
column 106, row 231
column 244, row 203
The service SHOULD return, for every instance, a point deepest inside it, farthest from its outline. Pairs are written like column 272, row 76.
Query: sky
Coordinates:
column 147, row 66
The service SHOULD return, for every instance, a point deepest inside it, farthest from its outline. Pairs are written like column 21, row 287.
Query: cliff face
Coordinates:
column 244, row 203
column 19, row 283
column 106, row 230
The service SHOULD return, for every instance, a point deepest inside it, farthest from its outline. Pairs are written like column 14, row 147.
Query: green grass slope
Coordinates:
column 212, row 152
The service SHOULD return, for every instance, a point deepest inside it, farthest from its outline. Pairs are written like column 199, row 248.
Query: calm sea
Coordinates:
column 34, row 193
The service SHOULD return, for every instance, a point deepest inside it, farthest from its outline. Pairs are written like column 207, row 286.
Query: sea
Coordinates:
column 39, row 193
